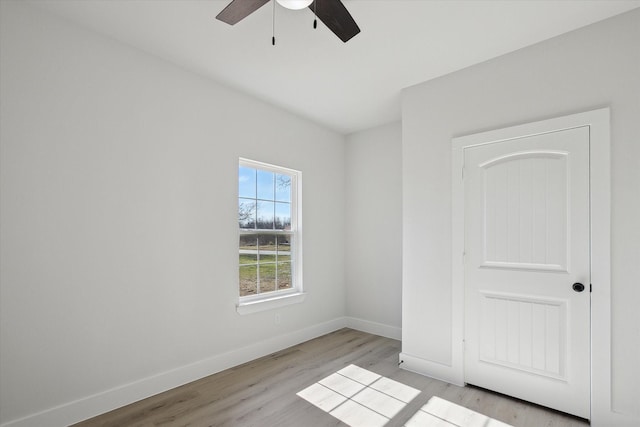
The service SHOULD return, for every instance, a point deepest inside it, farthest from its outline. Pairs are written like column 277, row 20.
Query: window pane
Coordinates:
column 284, row 275
column 247, row 257
column 249, row 265
column 265, row 215
column 247, row 182
column 249, row 242
column 266, row 185
column 283, row 188
column 248, row 280
column 267, row 277
column 268, row 257
column 267, row 244
column 284, row 248
column 283, row 216
column 247, row 213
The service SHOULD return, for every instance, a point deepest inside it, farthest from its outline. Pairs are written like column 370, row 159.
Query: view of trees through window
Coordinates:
column 264, row 220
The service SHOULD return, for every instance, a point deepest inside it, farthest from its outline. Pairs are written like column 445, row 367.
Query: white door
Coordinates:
column 526, row 244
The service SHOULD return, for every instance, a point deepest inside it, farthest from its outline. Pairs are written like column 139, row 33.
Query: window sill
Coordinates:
column 269, row 303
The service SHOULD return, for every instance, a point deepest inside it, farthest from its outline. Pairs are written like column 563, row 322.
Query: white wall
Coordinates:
column 374, row 229
column 118, row 222
column 593, row 67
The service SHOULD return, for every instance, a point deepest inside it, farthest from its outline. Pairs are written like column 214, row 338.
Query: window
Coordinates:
column 269, row 232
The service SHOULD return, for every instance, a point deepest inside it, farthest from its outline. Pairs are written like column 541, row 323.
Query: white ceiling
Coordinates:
column 346, row 87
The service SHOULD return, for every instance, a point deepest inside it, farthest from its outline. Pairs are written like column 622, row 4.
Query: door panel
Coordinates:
column 524, row 218
column 523, row 333
column 526, row 243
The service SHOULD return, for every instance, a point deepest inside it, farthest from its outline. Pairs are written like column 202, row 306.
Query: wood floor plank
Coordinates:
column 263, row 392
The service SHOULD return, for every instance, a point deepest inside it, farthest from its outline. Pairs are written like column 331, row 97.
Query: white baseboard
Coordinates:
column 610, row 418
column 430, row 369
column 374, row 328
column 100, row 403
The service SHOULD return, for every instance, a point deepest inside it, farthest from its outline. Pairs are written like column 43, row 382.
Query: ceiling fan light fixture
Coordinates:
column 332, row 13
column 294, row 4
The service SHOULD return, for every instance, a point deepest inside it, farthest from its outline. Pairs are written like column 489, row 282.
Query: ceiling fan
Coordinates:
column 331, row 12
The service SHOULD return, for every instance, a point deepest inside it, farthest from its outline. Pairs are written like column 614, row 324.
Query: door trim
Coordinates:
column 600, row 223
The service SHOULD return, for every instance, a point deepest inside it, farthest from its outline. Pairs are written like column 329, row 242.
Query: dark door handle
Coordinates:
column 578, row 287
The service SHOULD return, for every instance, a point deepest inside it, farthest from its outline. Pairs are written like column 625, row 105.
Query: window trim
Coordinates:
column 274, row 299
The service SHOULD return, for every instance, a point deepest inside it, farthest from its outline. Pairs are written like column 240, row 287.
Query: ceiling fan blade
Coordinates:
column 336, row 17
column 237, row 10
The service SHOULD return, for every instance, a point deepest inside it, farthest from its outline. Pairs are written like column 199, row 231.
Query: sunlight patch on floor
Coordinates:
column 358, row 397
column 361, row 398
column 442, row 413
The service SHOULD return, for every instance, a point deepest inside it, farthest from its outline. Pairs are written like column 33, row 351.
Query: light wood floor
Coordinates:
column 263, row 392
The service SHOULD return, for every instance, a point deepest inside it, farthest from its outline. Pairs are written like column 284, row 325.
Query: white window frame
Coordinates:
column 274, row 299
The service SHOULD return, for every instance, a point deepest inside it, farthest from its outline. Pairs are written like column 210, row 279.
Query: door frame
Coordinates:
column 600, row 241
